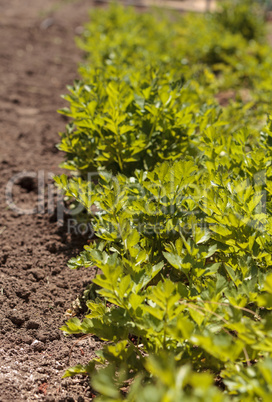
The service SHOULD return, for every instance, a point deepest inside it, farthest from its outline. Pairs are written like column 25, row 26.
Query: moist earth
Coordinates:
column 37, row 290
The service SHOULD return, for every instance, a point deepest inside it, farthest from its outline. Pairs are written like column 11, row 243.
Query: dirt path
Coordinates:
column 38, row 59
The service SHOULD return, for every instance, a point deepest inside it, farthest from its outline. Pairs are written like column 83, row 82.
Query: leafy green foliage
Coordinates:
column 131, row 125
column 181, row 206
column 184, row 253
column 146, row 89
column 243, row 16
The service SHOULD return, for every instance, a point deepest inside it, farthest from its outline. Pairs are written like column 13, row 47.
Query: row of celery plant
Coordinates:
column 183, row 209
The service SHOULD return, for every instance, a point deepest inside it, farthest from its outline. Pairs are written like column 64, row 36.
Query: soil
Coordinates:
column 37, row 290
column 38, row 59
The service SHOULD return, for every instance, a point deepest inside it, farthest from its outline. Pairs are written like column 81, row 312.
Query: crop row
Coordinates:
column 178, row 191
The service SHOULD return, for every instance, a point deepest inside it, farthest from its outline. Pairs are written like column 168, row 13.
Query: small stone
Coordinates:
column 37, row 273
column 37, row 346
column 32, row 325
column 54, row 336
column 49, row 399
column 59, row 302
column 51, row 247
column 47, row 23
column 42, row 336
column 18, row 321
column 27, row 339
column 23, row 294
column 56, row 271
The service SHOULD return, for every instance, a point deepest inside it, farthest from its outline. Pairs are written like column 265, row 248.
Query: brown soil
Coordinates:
column 38, row 59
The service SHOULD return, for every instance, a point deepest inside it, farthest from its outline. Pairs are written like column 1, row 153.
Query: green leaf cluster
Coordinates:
column 181, row 206
column 148, row 85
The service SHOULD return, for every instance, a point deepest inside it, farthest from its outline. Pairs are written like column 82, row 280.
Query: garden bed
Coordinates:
column 184, row 247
